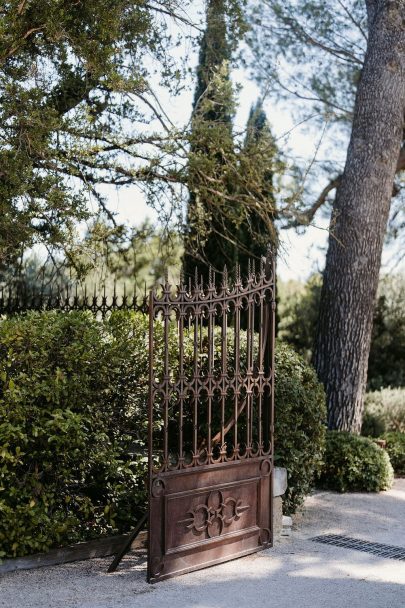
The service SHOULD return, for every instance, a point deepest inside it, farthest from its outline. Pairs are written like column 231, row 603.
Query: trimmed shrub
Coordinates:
column 300, row 415
column 384, row 412
column 354, row 464
column 373, row 424
column 396, row 451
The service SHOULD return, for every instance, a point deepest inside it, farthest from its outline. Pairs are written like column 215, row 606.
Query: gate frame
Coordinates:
column 267, row 280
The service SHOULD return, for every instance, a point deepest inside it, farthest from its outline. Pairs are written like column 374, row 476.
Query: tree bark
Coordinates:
column 360, row 216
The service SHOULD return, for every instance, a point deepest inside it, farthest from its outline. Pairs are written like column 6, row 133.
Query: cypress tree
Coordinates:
column 205, row 239
column 259, row 148
column 231, row 202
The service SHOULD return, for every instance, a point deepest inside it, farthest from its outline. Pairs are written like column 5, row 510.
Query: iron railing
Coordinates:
column 72, row 297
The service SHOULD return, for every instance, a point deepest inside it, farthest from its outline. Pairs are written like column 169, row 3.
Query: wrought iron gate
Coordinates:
column 210, row 422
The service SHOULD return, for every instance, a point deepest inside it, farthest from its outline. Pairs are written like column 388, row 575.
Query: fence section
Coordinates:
column 70, row 298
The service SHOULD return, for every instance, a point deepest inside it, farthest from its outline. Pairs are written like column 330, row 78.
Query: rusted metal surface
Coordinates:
column 210, row 422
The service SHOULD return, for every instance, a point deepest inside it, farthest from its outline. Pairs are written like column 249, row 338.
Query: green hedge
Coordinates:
column 396, row 451
column 384, row 411
column 300, row 417
column 67, row 427
column 73, row 395
column 354, row 464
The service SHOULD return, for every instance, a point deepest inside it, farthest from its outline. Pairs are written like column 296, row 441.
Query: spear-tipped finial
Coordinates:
column 262, row 265
column 237, row 269
column 225, row 277
column 210, row 271
column 270, row 260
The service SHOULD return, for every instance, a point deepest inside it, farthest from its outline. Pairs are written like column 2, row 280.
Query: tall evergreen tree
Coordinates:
column 230, row 211
column 211, row 144
column 259, row 151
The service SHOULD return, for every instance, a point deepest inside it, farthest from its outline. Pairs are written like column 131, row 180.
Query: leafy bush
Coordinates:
column 298, row 313
column 384, row 412
column 354, row 463
column 66, row 427
column 386, row 363
column 396, row 451
column 373, row 424
column 300, row 415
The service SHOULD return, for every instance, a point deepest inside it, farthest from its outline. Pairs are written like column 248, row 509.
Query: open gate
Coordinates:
column 210, row 422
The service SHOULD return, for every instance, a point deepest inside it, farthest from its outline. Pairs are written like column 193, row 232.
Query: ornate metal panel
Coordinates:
column 210, row 422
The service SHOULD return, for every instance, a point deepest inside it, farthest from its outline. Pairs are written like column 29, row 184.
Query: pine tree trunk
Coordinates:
column 359, row 218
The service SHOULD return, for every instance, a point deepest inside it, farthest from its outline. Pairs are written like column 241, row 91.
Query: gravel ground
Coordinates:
column 296, row 572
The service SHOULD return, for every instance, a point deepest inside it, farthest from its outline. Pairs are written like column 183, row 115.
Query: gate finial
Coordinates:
column 196, row 277
column 225, row 278
column 211, row 274
column 269, row 260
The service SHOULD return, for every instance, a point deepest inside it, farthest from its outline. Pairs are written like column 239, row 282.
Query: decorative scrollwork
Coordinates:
column 214, row 514
column 214, row 392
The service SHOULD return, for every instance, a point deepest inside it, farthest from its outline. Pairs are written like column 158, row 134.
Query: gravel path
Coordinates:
column 297, row 572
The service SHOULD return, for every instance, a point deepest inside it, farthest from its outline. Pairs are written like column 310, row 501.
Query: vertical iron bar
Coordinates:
column 210, row 378
column 272, row 339
column 181, row 387
column 237, row 383
column 261, row 369
column 252, row 363
column 166, row 384
column 224, row 371
column 150, row 410
column 195, row 383
column 248, row 375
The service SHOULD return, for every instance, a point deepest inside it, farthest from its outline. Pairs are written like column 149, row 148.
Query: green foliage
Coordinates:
column 298, row 313
column 76, row 105
column 231, row 206
column 396, row 451
column 354, row 464
column 373, row 424
column 69, row 469
column 143, row 254
column 386, row 364
column 300, row 415
column 384, row 411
